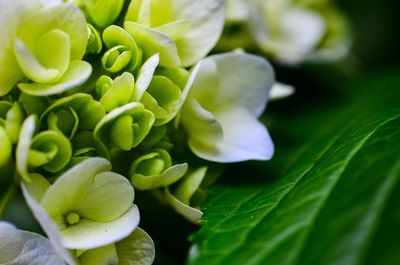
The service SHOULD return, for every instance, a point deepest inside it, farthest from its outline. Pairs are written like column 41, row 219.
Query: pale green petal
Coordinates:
column 145, row 75
column 123, row 53
column 109, row 197
column 32, row 67
column 106, row 255
column 163, row 98
column 120, row 92
column 87, row 109
column 175, row 29
column 245, row 138
column 57, row 57
column 64, row 17
column 166, row 178
column 139, row 11
column 22, row 152
column 109, row 128
column 56, row 145
column 70, row 189
column 102, row 12
column 14, row 119
column 192, row 214
column 48, row 226
column 11, row 243
column 189, row 185
column 154, row 170
column 95, row 43
column 206, row 18
column 137, row 249
column 77, row 73
column 89, row 234
column 12, row 12
column 37, row 187
column 152, row 42
column 5, row 147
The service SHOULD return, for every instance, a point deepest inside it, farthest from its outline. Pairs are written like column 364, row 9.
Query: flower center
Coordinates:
column 73, row 218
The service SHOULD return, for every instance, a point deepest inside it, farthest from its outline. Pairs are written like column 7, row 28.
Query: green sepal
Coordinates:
column 5, row 147
column 33, row 104
column 123, row 53
column 99, row 256
column 163, row 98
column 88, row 110
column 14, row 119
column 101, row 13
column 51, row 150
column 188, row 196
column 126, row 126
column 152, row 41
column 115, row 93
column 5, row 106
column 85, row 146
column 155, row 170
column 136, row 249
column 95, row 43
column 65, row 121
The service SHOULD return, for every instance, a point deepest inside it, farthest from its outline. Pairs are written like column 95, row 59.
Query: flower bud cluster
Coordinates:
column 87, row 87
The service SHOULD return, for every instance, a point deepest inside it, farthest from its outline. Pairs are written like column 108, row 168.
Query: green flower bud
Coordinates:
column 165, row 94
column 95, row 44
column 115, row 93
column 155, row 170
column 101, row 13
column 85, row 146
column 5, row 106
column 14, row 118
column 5, row 147
column 50, row 150
column 125, row 127
column 71, row 114
column 123, row 53
column 32, row 104
column 188, row 195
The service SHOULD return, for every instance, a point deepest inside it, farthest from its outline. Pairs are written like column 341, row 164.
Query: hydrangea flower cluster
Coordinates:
column 102, row 98
column 290, row 31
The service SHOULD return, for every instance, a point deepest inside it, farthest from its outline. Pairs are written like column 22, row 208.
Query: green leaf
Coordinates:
column 329, row 208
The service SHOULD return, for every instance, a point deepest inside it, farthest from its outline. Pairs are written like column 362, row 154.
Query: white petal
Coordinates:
column 145, row 75
column 244, row 82
column 37, row 251
column 27, row 130
column 11, row 243
column 280, row 90
column 245, row 138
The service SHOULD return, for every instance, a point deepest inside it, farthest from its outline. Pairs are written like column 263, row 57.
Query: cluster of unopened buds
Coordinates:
column 101, row 98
